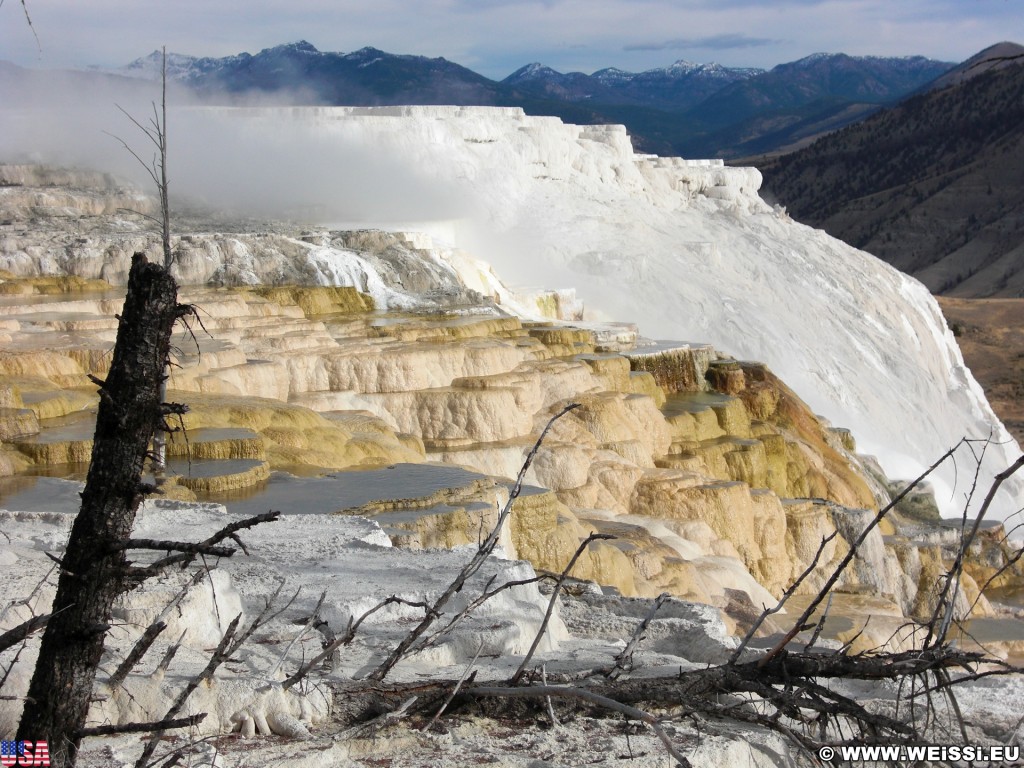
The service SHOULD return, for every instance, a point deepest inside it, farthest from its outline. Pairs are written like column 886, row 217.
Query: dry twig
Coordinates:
column 625, row 656
column 553, row 601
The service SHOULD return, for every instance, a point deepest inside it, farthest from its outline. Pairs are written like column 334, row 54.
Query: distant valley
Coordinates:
column 990, row 333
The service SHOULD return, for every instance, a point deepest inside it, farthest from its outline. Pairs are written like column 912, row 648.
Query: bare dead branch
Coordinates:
column 220, row 655
column 849, row 643
column 1010, row 562
column 310, row 623
column 939, row 637
column 184, row 558
column 9, row 669
column 173, row 546
column 28, row 20
column 59, row 562
column 169, row 655
column 484, row 596
column 455, row 690
column 166, row 724
column 785, row 597
column 473, row 565
column 16, row 634
column 554, row 601
column 821, row 625
column 992, row 668
column 547, row 699
column 800, row 623
column 132, row 211
column 347, row 638
column 266, row 615
column 137, row 652
column 133, row 153
column 27, row 601
column 625, row 656
column 381, row 720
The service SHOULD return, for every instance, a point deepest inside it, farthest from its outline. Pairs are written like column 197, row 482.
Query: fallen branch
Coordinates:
column 701, row 689
column 161, row 725
column 381, row 720
column 555, row 691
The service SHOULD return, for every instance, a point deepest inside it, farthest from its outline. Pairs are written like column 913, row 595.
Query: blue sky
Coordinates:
column 494, row 37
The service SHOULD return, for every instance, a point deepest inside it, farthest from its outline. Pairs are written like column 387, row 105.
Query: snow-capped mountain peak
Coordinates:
column 679, row 67
column 150, row 67
column 533, row 71
column 613, row 75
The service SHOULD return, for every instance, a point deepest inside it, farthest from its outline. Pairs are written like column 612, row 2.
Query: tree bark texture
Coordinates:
column 94, row 568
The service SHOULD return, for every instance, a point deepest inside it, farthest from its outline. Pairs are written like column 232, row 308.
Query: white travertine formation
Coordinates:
column 684, row 248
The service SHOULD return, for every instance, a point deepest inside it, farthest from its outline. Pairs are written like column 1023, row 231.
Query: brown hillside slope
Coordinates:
column 933, row 186
column 991, row 336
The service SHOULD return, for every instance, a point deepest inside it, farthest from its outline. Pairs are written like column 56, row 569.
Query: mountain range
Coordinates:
column 931, row 185
column 694, row 110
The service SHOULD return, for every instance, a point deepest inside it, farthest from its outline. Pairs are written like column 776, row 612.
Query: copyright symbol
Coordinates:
column 826, row 754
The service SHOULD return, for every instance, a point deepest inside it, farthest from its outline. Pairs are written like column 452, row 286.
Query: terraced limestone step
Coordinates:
column 450, row 327
column 17, row 423
column 676, row 367
column 60, row 440
column 219, row 476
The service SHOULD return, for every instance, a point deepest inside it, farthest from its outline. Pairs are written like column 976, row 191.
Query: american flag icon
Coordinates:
column 10, row 751
column 23, row 753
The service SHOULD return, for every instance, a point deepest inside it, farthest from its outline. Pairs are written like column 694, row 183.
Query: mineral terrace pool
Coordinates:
column 286, row 492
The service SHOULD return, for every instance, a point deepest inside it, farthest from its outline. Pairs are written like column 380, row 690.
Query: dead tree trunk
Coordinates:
column 94, row 568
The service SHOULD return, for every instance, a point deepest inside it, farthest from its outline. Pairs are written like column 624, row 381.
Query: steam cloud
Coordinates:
column 294, row 170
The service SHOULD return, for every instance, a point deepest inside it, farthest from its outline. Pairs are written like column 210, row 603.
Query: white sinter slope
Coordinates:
column 685, row 249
